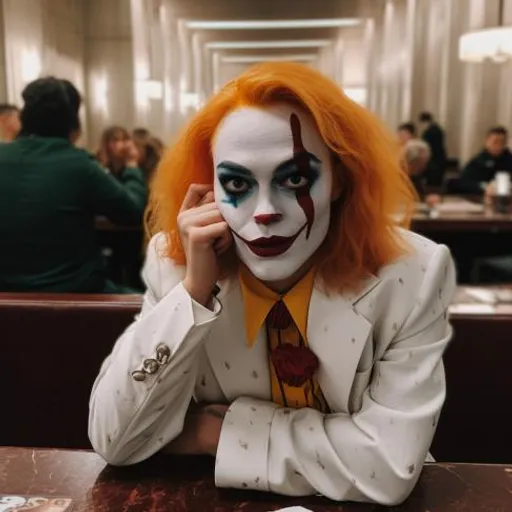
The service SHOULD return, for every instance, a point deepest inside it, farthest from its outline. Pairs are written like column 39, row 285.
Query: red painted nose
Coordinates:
column 267, row 219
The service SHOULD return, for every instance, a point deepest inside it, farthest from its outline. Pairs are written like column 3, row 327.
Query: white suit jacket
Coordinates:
column 380, row 371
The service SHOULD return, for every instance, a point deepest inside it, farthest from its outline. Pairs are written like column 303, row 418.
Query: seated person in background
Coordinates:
column 417, row 157
column 284, row 301
column 433, row 135
column 148, row 150
column 481, row 169
column 159, row 146
column 406, row 132
column 10, row 124
column 118, row 151
column 50, row 193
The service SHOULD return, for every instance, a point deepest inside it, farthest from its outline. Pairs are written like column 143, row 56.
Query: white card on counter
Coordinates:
column 294, row 509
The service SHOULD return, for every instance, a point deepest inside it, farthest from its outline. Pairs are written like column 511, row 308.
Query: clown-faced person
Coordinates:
column 291, row 328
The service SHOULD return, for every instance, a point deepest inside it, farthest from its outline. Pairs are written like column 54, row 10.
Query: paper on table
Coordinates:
column 472, row 309
column 482, row 295
column 294, row 509
column 459, row 207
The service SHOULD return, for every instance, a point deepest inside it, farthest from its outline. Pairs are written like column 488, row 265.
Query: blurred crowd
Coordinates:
column 425, row 157
column 54, row 195
column 52, row 192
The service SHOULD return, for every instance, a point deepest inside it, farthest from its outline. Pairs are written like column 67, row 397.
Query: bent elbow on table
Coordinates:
column 133, row 442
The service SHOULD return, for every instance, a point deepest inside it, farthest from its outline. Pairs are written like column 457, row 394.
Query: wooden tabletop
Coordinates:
column 473, row 302
column 186, row 485
column 461, row 214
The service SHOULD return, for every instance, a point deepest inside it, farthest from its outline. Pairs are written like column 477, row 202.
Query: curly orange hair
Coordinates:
column 367, row 167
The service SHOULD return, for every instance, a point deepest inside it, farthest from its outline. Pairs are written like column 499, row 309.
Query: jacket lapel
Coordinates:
column 240, row 370
column 338, row 334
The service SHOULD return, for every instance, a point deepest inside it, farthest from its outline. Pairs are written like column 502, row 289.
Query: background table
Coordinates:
column 186, row 485
column 470, row 236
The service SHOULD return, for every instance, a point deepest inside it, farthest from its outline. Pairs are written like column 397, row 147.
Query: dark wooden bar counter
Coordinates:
column 470, row 235
column 186, row 485
column 465, row 223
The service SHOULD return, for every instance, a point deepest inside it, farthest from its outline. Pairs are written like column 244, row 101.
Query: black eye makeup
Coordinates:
column 237, row 182
column 292, row 176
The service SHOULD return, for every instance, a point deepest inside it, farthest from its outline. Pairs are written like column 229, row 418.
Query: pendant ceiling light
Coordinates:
column 494, row 43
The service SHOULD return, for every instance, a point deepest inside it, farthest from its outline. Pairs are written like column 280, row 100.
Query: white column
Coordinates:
column 109, row 66
column 504, row 116
column 480, row 88
column 171, row 73
column 338, row 59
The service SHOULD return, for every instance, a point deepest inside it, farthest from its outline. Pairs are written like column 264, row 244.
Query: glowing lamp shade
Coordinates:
column 494, row 44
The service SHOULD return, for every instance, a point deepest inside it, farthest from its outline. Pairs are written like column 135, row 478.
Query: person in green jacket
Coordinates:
column 50, row 193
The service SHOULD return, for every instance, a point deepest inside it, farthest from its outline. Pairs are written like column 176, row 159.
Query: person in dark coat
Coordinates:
column 50, row 193
column 433, row 135
column 482, row 168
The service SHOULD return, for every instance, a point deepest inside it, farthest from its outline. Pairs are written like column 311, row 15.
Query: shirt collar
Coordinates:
column 259, row 300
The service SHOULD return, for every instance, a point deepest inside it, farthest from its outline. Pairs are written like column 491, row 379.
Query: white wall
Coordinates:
column 42, row 38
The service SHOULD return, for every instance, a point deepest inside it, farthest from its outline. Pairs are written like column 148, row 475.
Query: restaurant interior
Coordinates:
column 437, row 73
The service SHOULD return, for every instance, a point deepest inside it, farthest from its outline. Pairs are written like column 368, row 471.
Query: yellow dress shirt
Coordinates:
column 258, row 301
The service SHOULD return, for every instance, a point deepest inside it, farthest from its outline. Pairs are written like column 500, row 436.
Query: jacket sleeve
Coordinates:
column 471, row 179
column 374, row 455
column 130, row 418
column 121, row 200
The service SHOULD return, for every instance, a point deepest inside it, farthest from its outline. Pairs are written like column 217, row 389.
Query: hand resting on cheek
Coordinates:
column 205, row 236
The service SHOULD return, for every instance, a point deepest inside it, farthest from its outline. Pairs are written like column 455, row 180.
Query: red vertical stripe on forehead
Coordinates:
column 303, row 195
column 298, row 146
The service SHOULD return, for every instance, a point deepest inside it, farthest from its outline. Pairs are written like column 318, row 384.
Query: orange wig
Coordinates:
column 366, row 164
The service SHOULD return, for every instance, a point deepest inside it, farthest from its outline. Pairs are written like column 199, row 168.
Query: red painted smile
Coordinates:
column 272, row 246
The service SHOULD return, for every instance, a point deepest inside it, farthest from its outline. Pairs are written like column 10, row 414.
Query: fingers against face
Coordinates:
column 202, row 221
column 195, row 196
column 223, row 243
column 199, row 216
column 208, row 234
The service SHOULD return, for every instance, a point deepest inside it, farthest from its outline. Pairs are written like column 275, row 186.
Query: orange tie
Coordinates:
column 296, row 389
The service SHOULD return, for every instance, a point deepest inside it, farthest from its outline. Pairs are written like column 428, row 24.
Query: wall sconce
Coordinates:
column 154, row 89
column 146, row 90
column 30, row 65
column 100, row 92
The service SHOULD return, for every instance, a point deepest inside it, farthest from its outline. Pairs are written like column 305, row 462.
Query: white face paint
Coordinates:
column 273, row 183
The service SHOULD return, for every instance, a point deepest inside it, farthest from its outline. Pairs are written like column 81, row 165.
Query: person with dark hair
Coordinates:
column 406, row 132
column 149, row 151
column 9, row 122
column 482, row 168
column 433, row 135
column 117, row 150
column 141, row 132
column 50, row 194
